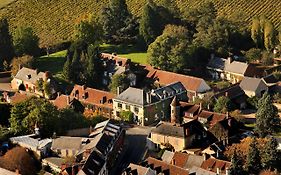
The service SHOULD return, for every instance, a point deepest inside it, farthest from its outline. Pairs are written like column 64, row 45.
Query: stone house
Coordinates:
column 253, row 86
column 148, row 107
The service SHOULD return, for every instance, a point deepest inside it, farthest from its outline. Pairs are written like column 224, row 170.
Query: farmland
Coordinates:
column 54, row 20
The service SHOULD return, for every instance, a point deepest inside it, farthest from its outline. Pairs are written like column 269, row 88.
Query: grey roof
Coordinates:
column 69, row 142
column 107, row 126
column 216, row 63
column 270, row 79
column 200, row 171
column 57, row 161
column 250, row 84
column 167, row 156
column 236, row 67
column 194, row 160
column 169, row 129
column 133, row 95
column 29, row 75
column 29, row 142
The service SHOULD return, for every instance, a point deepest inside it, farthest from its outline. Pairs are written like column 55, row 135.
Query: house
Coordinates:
column 97, row 101
column 235, row 71
column 235, row 93
column 134, row 169
column 195, row 87
column 32, row 142
column 27, row 79
column 253, row 86
column 215, row 67
column 272, row 83
column 55, row 163
column 148, row 107
column 175, row 136
column 65, row 101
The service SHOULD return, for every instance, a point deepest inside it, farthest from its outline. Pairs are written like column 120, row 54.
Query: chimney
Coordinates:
column 227, row 172
column 84, row 87
column 227, row 115
column 148, row 97
column 17, row 172
column 218, row 171
column 174, row 162
column 226, row 94
column 36, row 71
column 229, row 60
column 118, row 90
column 200, row 108
column 20, row 66
column 205, row 156
column 58, row 94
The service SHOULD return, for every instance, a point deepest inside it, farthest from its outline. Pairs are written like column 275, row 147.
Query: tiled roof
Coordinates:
column 167, row 156
column 193, row 160
column 61, row 101
column 173, row 170
column 29, row 75
column 236, row 67
column 250, row 84
column 64, row 142
column 216, row 118
column 133, row 95
column 164, row 77
column 19, row 97
column 169, row 129
column 205, row 114
column 93, row 96
column 179, row 159
column 232, row 92
column 116, row 59
column 212, row 164
column 201, row 171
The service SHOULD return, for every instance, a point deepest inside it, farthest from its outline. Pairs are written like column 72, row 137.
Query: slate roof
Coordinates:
column 233, row 92
column 250, row 84
column 172, row 169
column 167, row 156
column 29, row 75
column 133, row 95
column 29, row 142
column 105, row 126
column 193, row 160
column 93, row 164
column 164, row 77
column 270, row 80
column 65, row 142
column 95, row 97
column 216, row 63
column 168, row 129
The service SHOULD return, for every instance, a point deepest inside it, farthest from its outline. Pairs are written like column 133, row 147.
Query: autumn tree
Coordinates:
column 6, row 43
column 266, row 116
column 26, row 42
column 269, row 35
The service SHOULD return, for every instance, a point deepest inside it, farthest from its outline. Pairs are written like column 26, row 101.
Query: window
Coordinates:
column 119, row 105
column 127, row 107
column 66, row 153
column 136, row 109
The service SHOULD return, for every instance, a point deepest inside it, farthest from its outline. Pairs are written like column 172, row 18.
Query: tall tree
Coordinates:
column 270, row 154
column 256, row 31
column 90, row 33
column 223, row 105
column 6, row 43
column 170, row 50
column 253, row 163
column 266, row 116
column 119, row 81
column 236, row 165
column 119, row 25
column 26, row 42
column 269, row 35
column 67, row 69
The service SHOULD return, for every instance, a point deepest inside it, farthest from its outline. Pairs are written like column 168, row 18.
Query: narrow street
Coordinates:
column 134, row 148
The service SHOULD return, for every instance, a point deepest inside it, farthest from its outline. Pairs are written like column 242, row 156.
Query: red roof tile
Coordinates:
column 174, row 170
column 95, row 96
column 19, row 97
column 61, row 101
column 179, row 159
column 212, row 164
column 164, row 77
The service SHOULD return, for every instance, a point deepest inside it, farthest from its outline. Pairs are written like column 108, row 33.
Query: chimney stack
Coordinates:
column 118, row 90
column 218, row 171
column 148, row 97
column 226, row 94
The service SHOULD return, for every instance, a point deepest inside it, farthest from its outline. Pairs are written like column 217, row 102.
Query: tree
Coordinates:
column 253, row 54
column 67, row 69
column 253, row 163
column 6, row 43
column 266, row 116
column 18, row 159
column 267, row 58
column 236, row 165
column 170, row 50
column 118, row 23
column 256, row 31
column 24, row 61
column 270, row 155
column 223, row 105
column 269, row 34
column 88, row 32
column 127, row 116
column 118, row 81
column 26, row 42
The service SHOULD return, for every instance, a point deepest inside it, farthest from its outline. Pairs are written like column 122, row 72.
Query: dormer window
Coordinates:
column 85, row 95
column 28, row 76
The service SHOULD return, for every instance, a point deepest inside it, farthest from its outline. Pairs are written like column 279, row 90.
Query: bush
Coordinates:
column 127, row 116
column 253, row 54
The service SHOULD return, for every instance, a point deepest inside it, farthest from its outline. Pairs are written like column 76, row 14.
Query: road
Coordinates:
column 134, row 148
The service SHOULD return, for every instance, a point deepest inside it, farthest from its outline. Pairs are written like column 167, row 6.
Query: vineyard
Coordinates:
column 54, row 20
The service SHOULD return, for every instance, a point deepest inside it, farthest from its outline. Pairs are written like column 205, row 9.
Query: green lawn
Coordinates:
column 127, row 51
column 54, row 63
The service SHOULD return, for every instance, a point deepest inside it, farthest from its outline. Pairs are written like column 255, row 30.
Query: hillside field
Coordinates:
column 54, row 20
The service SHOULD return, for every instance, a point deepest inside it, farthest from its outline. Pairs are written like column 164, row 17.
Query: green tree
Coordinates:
column 47, row 89
column 236, row 165
column 253, row 54
column 118, row 81
column 256, row 31
column 269, row 35
column 89, row 33
column 26, row 42
column 127, row 116
column 118, row 23
column 223, row 105
column 253, row 163
column 6, row 43
column 270, row 154
column 170, row 50
column 67, row 69
column 266, row 116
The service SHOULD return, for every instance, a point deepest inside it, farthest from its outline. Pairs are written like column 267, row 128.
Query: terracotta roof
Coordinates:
column 61, row 101
column 19, row 97
column 216, row 118
column 173, row 170
column 93, row 96
column 179, row 159
column 163, row 77
column 212, row 164
column 205, row 114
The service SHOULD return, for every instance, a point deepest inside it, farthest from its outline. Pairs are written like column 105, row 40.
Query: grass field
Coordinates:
column 54, row 63
column 126, row 51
